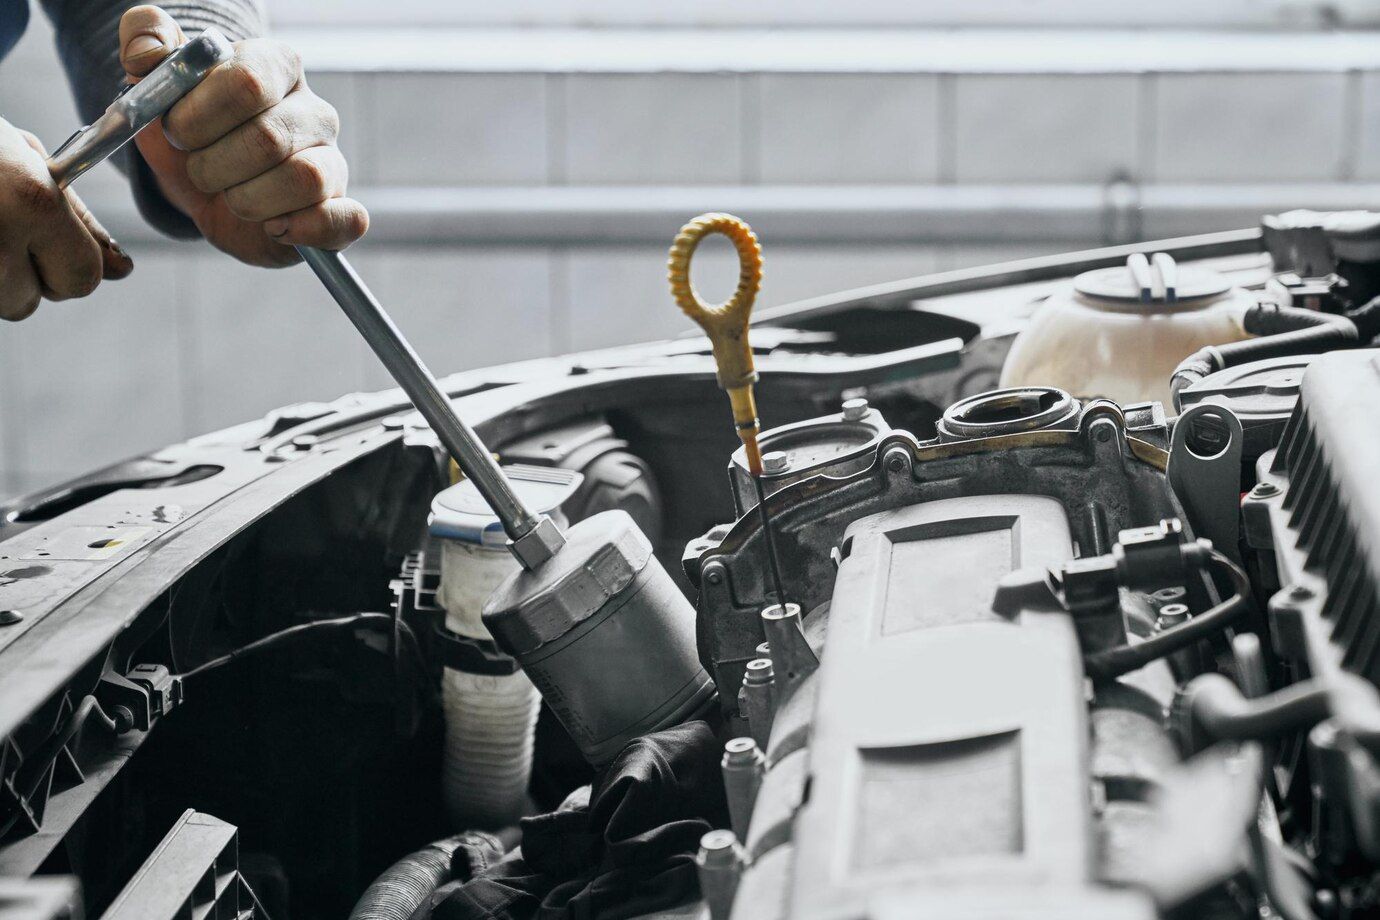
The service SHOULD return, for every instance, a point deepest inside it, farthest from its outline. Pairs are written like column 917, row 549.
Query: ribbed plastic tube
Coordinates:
column 490, row 719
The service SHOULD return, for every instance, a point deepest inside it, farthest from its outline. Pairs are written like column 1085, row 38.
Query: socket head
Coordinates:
column 538, row 545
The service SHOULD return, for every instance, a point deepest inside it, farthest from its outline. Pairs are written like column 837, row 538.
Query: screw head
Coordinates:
column 896, row 462
column 1265, row 489
column 10, row 617
column 714, row 574
column 775, row 461
column 1300, row 593
column 854, row 409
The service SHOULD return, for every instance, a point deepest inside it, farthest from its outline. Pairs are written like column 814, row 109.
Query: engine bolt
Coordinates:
column 854, row 409
column 896, row 462
column 10, row 617
column 714, row 574
column 775, row 461
column 1300, row 592
column 1265, row 490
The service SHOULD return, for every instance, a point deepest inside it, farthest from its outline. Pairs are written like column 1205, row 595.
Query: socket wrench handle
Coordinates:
column 138, row 105
column 534, row 539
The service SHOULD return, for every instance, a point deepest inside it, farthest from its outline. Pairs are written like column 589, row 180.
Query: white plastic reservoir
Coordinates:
column 490, row 716
column 1119, row 332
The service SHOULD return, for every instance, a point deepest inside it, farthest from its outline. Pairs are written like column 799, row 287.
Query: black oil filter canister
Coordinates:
column 605, row 635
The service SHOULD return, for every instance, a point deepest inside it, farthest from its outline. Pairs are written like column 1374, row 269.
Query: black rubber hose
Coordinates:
column 1124, row 659
column 408, row 883
column 1217, row 707
column 1367, row 320
column 1280, row 331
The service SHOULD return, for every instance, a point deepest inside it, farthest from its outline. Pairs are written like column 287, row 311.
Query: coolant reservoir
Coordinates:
column 1120, row 332
column 489, row 704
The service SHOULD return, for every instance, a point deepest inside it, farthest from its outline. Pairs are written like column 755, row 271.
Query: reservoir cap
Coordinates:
column 460, row 512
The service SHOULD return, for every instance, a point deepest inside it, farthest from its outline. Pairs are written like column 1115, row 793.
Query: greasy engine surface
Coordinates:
column 943, row 744
column 940, row 649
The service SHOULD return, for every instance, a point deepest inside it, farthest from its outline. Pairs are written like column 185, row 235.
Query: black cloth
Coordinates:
column 624, row 848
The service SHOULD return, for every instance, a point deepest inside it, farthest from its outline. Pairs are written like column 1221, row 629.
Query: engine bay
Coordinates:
column 1046, row 589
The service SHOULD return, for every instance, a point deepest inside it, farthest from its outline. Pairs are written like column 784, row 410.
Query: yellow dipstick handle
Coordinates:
column 726, row 324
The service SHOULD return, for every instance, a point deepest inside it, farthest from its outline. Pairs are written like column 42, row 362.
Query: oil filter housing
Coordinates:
column 605, row 635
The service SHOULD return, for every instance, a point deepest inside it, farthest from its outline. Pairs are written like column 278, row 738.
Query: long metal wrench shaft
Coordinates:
column 406, row 367
column 150, row 98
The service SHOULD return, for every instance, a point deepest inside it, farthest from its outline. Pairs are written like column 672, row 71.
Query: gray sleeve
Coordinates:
column 88, row 41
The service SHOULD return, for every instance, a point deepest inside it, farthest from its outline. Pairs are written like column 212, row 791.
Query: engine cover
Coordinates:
column 930, row 705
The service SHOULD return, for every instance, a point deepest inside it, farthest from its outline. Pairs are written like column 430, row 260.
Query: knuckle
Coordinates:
column 81, row 275
column 310, row 175
column 330, row 119
column 267, row 139
column 35, row 196
column 290, row 57
column 21, row 307
column 249, row 91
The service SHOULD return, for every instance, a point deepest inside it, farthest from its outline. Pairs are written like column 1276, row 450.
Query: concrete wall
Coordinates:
column 805, row 132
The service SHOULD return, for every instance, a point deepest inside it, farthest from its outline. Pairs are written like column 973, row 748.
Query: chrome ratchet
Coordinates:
column 138, row 105
column 535, row 537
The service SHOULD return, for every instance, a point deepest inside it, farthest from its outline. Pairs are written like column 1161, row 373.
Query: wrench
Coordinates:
column 535, row 538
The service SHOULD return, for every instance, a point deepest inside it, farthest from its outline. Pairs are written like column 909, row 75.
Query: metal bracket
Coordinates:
column 1205, row 473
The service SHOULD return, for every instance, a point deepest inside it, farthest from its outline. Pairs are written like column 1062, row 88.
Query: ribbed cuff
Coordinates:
column 88, row 40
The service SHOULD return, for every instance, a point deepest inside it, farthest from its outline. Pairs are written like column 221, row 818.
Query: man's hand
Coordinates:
column 250, row 155
column 50, row 245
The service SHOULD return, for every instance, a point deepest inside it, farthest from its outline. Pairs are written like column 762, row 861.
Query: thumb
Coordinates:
column 147, row 35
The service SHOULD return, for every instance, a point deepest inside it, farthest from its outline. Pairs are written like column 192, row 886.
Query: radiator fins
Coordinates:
column 1331, row 540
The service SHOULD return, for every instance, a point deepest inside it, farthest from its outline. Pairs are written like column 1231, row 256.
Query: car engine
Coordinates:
column 1048, row 589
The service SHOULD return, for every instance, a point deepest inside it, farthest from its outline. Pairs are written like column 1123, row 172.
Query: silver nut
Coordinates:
column 775, row 462
column 718, row 849
column 759, row 671
column 538, row 544
column 739, row 751
column 854, row 409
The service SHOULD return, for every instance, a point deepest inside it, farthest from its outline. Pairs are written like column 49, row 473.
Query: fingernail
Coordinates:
column 276, row 227
column 122, row 263
column 140, row 45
